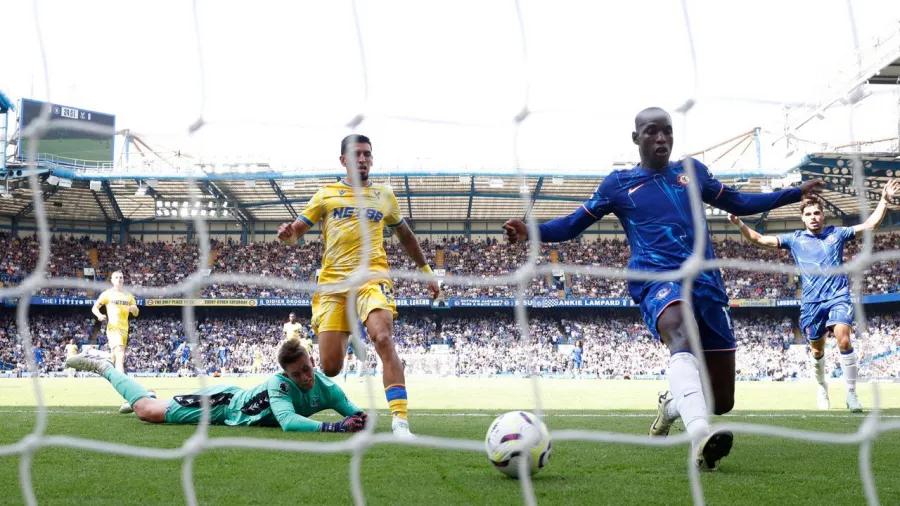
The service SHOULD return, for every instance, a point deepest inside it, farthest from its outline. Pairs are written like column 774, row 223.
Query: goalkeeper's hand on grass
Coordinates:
column 352, row 423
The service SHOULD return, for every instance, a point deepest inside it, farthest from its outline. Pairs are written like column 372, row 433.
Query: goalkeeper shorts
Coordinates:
column 187, row 409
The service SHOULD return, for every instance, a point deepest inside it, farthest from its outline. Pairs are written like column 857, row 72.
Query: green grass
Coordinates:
column 80, row 149
column 761, row 469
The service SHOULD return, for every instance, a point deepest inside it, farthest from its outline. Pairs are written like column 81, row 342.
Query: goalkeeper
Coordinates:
column 285, row 400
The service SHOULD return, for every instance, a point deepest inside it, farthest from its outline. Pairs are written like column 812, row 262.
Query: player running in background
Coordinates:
column 286, row 399
column 651, row 201
column 335, row 206
column 71, row 351
column 825, row 303
column 119, row 304
column 292, row 327
column 257, row 366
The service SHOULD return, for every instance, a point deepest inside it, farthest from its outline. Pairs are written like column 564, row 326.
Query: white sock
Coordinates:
column 690, row 403
column 819, row 367
column 850, row 366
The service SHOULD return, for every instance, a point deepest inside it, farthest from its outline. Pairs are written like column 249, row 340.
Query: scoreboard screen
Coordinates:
column 66, row 145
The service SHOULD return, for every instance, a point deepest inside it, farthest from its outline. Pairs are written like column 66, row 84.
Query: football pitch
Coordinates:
column 760, row 470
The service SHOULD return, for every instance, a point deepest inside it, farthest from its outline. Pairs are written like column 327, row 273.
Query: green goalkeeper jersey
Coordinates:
column 278, row 402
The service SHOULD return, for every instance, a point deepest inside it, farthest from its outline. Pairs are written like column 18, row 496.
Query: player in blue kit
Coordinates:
column 652, row 203
column 825, row 303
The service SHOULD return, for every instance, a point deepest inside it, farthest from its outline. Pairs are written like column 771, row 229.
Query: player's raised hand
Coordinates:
column 516, row 231
column 102, row 318
column 891, row 190
column 434, row 287
column 735, row 220
column 812, row 187
column 132, row 309
column 286, row 233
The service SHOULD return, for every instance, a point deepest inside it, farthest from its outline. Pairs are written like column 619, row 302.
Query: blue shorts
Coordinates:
column 577, row 363
column 713, row 317
column 817, row 318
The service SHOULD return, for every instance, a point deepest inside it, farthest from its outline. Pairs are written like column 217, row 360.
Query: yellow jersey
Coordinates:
column 306, row 343
column 117, row 304
column 292, row 330
column 335, row 206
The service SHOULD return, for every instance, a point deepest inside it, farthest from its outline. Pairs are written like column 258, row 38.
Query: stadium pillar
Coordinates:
column 109, row 232
column 468, row 229
column 15, row 227
column 123, row 232
column 245, row 233
column 190, row 232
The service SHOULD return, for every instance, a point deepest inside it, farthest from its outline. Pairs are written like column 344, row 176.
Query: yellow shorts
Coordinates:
column 329, row 310
column 116, row 338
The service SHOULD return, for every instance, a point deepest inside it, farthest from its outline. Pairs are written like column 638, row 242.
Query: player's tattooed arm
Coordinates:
column 752, row 236
column 891, row 190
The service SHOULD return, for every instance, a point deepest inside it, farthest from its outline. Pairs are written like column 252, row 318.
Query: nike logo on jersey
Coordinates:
column 636, row 188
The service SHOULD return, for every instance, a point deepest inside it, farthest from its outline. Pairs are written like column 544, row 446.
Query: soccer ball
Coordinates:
column 516, row 435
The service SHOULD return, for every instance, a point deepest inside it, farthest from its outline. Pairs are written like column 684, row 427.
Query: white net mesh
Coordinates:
column 358, row 444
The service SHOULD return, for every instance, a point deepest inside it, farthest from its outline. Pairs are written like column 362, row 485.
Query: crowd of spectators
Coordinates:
column 161, row 263
column 483, row 344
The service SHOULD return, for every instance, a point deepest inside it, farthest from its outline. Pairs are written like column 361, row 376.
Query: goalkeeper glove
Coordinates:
column 352, row 423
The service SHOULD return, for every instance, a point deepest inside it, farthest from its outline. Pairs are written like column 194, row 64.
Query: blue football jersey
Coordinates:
column 655, row 211
column 816, row 253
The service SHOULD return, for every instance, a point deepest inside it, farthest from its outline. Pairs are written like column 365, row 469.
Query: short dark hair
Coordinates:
column 290, row 352
column 812, row 201
column 353, row 139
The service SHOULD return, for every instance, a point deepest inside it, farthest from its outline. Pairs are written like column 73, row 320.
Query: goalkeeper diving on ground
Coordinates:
column 285, row 400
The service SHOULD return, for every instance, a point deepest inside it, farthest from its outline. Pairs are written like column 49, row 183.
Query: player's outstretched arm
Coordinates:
column 290, row 233
column 558, row 230
column 283, row 409
column 411, row 245
column 726, row 198
column 891, row 189
column 752, row 236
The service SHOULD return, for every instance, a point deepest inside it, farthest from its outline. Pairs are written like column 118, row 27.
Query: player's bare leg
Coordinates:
column 380, row 325
column 818, row 361
column 332, row 348
column 98, row 362
column 151, row 410
column 118, row 358
column 849, row 365
column 687, row 398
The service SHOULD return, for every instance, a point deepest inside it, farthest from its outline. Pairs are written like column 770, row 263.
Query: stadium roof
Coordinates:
column 432, row 197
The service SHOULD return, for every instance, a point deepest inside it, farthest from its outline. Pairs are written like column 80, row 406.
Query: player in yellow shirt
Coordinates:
column 119, row 304
column 71, row 351
column 257, row 366
column 334, row 205
column 294, row 330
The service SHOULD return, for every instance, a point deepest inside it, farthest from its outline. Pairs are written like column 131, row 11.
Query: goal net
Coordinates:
column 512, row 139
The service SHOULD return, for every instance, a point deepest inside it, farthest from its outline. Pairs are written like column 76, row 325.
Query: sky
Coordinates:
column 278, row 81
